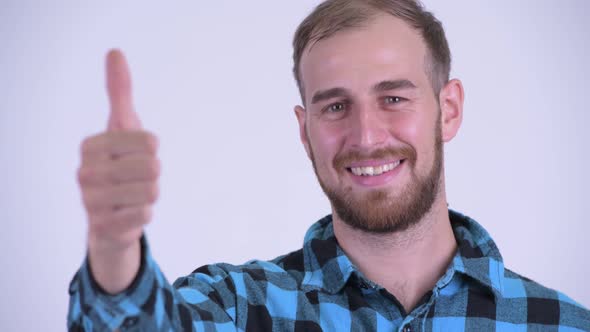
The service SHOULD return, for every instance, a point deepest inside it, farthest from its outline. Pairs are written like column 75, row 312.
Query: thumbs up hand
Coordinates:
column 118, row 179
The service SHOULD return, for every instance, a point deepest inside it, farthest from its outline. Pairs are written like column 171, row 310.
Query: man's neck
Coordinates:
column 409, row 263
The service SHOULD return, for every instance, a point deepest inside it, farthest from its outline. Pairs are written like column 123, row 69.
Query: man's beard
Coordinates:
column 378, row 212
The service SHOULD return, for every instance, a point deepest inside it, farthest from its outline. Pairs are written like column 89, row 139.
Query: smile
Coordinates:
column 374, row 170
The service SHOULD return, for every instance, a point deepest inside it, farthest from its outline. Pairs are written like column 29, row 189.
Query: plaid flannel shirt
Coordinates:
column 317, row 288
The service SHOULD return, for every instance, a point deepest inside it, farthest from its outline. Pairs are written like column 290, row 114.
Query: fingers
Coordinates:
column 135, row 168
column 118, row 171
column 106, row 200
column 122, row 115
column 113, row 145
column 118, row 180
column 121, row 222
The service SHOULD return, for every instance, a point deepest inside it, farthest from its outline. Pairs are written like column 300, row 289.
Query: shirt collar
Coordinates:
column 326, row 265
column 328, row 268
column 477, row 256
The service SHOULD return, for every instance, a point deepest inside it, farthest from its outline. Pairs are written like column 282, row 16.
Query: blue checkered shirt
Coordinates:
column 317, row 288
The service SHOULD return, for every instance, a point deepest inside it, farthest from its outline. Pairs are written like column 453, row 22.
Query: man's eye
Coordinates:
column 392, row 100
column 335, row 108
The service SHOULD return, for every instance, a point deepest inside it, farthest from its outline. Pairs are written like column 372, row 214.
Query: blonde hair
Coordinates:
column 332, row 16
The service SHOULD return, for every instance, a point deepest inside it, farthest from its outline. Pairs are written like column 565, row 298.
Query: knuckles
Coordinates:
column 108, row 199
column 89, row 143
column 140, row 140
column 143, row 214
column 100, row 168
column 153, row 167
column 118, row 178
column 84, row 175
column 113, row 143
column 114, row 223
column 91, row 201
column 151, row 141
column 153, row 193
column 119, row 171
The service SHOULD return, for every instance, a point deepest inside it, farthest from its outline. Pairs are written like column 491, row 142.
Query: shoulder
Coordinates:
column 285, row 271
column 540, row 304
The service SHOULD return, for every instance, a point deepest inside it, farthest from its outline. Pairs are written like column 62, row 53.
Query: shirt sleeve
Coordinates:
column 202, row 301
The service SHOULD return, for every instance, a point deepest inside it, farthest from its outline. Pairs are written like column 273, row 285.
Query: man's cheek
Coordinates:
column 407, row 129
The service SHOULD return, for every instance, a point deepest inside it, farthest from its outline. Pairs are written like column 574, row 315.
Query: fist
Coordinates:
column 119, row 169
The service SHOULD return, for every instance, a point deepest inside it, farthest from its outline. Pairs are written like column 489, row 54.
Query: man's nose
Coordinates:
column 368, row 129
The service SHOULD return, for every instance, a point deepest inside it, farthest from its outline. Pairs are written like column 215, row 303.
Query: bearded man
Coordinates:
column 377, row 108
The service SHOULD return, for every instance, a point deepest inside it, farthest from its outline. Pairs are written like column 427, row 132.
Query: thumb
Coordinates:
column 122, row 115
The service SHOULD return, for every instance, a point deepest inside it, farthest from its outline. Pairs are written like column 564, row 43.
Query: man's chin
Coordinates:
column 374, row 214
column 377, row 224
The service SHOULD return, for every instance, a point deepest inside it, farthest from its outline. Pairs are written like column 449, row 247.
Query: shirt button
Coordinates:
column 407, row 328
column 129, row 322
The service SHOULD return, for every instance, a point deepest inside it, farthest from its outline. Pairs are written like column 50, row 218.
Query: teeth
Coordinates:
column 372, row 171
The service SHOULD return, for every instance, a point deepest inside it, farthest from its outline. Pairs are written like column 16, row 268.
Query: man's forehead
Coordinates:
column 385, row 48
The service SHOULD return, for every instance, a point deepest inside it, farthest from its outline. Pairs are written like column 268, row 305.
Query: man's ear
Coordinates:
column 300, row 114
column 450, row 99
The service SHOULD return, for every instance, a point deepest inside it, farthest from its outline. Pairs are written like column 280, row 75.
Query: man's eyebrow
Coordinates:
column 388, row 85
column 322, row 95
column 393, row 85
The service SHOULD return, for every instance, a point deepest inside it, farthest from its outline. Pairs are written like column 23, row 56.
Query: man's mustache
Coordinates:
column 344, row 159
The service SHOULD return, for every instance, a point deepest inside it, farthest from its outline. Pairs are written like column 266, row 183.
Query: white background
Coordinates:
column 213, row 81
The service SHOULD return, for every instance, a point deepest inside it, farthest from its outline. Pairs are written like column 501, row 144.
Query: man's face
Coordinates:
column 372, row 125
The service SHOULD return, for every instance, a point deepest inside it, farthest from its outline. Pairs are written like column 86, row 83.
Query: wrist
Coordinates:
column 113, row 245
column 114, row 266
